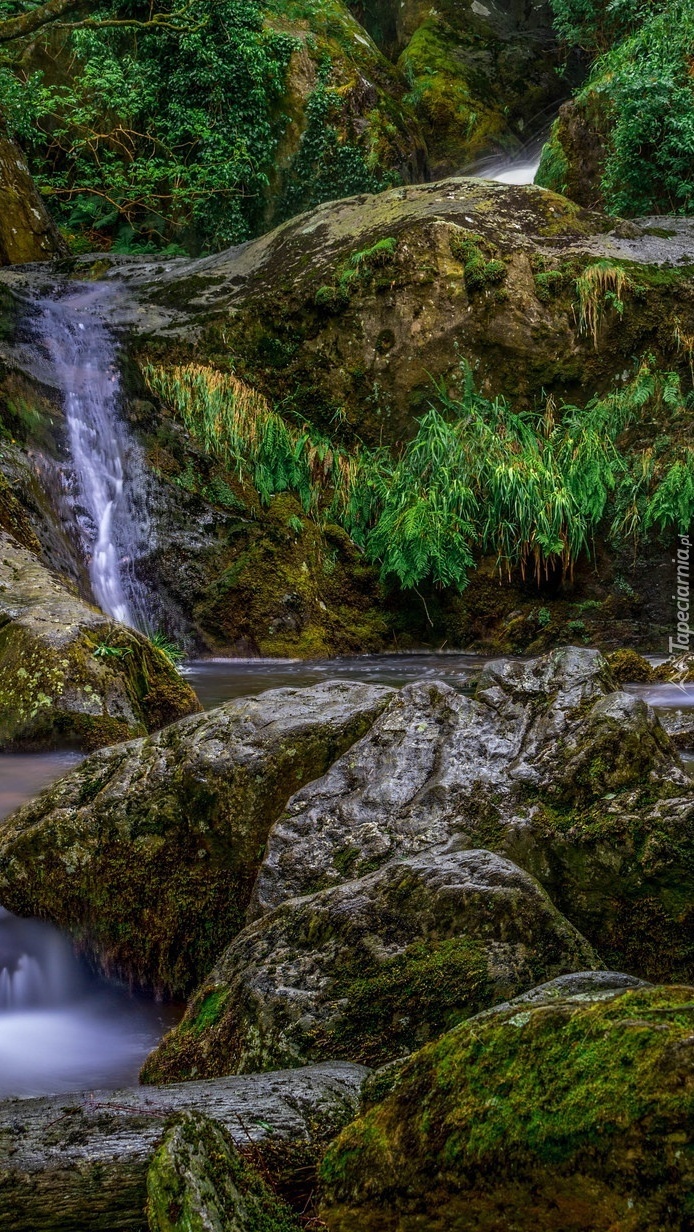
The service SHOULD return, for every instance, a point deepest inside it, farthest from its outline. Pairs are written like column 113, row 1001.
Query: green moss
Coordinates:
column 210, row 1011
column 553, row 172
column 198, row 1181
column 479, row 258
column 521, row 1104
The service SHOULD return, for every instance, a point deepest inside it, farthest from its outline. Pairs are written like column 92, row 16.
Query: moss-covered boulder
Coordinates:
column 69, row 674
column 573, row 159
column 374, row 968
column 549, row 765
column 199, row 1182
column 557, row 1118
column 147, row 852
column 480, row 74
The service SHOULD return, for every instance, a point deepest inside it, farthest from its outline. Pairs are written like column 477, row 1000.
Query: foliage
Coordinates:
column 171, row 650
column 602, row 283
column 104, row 650
column 478, row 258
column 479, row 477
column 358, row 268
column 642, row 82
column 327, row 166
column 162, row 135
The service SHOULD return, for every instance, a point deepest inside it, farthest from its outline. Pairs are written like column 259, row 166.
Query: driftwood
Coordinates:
column 78, row 1163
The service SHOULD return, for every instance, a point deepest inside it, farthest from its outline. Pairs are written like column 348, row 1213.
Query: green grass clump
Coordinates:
column 481, row 266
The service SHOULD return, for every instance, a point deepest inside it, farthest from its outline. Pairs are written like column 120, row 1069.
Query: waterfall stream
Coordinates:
column 110, row 507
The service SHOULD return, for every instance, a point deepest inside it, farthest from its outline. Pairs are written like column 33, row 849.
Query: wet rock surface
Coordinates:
column 81, row 1162
column 198, row 1180
column 575, row 782
column 474, row 1135
column 146, row 854
column 69, row 674
column 373, row 968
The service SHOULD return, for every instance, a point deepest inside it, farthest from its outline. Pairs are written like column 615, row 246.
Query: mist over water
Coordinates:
column 109, row 499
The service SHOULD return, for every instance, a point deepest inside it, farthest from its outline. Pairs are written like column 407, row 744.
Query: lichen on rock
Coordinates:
column 70, row 675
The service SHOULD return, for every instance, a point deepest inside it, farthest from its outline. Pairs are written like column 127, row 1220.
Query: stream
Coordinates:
column 61, row 1028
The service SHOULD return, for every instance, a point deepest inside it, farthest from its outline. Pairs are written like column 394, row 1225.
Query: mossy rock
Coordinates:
column 628, row 667
column 372, row 969
column 199, row 1182
column 146, row 854
column 68, row 674
column 551, row 766
column 572, row 1116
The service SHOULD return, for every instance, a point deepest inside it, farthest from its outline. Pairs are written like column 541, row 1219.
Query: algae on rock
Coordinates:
column 55, row 686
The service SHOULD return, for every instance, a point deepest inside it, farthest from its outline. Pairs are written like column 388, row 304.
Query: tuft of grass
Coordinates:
column 600, row 284
column 171, row 650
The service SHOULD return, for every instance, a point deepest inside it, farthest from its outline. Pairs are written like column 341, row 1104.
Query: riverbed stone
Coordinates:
column 70, row 675
column 373, row 968
column 147, row 852
column 199, row 1182
column 80, row 1161
column 561, row 1117
column 549, row 765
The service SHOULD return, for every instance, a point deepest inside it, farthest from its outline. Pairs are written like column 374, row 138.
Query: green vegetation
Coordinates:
column 478, row 478
column 105, row 650
column 479, row 1098
column 641, row 86
column 165, row 134
column 479, row 259
column 171, row 650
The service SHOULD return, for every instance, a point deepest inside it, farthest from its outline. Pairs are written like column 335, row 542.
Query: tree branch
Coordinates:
column 50, row 13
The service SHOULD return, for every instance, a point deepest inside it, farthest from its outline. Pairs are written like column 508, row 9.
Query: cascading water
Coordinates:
column 110, row 504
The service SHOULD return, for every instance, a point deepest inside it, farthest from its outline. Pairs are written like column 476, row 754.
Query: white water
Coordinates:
column 109, row 486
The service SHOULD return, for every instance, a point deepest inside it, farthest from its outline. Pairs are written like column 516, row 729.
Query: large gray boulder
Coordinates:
column 147, row 852
column 547, row 764
column 69, row 674
column 373, row 968
column 81, row 1162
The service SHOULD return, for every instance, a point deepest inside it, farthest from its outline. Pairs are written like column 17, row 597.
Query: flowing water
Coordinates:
column 109, row 505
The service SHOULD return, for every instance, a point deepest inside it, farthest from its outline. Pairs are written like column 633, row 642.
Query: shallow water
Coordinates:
column 61, row 1029
column 219, row 680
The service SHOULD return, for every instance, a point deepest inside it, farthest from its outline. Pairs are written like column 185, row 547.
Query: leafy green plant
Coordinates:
column 104, row 650
column 480, row 262
column 171, row 650
column 544, row 617
column 164, row 137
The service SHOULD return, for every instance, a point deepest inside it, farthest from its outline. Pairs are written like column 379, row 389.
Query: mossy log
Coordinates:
column 78, row 1163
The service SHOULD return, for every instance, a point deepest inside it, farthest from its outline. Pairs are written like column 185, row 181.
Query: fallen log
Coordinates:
column 78, row 1163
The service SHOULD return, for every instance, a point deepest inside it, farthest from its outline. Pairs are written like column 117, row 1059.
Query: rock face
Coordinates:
column 69, row 674
column 26, row 230
column 374, row 968
column 146, row 854
column 72, row 1162
column 548, row 765
column 475, row 1133
column 198, row 1182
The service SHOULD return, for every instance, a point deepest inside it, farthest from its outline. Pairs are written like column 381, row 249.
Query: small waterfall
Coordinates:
column 37, row 966
column 110, row 505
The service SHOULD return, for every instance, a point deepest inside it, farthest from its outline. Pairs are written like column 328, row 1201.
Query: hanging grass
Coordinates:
column 600, row 285
column 478, row 478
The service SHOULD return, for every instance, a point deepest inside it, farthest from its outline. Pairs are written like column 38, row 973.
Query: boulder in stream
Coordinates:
column 549, row 765
column 373, row 968
column 70, row 675
column 147, row 852
column 560, row 1115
